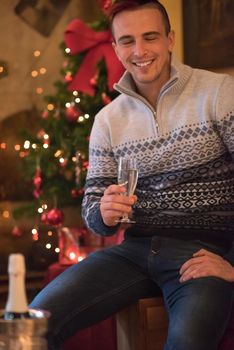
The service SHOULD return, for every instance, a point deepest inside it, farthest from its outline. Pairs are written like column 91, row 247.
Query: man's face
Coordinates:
column 142, row 45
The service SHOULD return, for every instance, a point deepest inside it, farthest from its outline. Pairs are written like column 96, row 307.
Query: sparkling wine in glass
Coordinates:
column 127, row 176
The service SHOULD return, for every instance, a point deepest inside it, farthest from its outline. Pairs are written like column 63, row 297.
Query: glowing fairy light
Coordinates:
column 72, row 256
column 46, row 137
column 34, row 73
column 61, row 160
column 45, row 145
column 75, row 93
column 86, row 116
column 6, row 214
column 42, row 70
column 77, row 100
column 48, row 246
column 34, row 146
column 80, row 119
column 50, row 233
column 67, row 50
column 58, row 153
column 57, row 250
column 68, row 105
column 39, row 90
column 80, row 258
column 44, row 206
column 37, row 53
column 3, row 145
column 34, row 231
column 26, row 144
column 50, row 107
column 40, row 210
column 17, row 147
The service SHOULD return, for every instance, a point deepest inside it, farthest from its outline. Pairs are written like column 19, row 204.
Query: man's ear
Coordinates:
column 116, row 49
column 171, row 39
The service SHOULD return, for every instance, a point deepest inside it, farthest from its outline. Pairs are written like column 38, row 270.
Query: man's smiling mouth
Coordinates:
column 143, row 64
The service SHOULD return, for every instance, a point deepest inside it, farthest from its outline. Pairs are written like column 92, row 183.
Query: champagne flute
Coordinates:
column 127, row 176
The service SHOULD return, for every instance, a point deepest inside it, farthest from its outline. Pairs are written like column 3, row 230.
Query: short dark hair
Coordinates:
column 121, row 5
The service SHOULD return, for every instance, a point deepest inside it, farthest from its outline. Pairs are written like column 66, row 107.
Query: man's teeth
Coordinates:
column 142, row 64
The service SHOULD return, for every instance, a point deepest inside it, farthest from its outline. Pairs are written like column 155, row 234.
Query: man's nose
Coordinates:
column 140, row 49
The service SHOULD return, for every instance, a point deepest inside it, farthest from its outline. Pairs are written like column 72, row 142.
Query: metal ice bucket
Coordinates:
column 24, row 334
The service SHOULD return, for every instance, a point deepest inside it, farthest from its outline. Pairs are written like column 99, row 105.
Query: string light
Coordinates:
column 17, row 147
column 81, row 119
column 75, row 93
column 37, row 53
column 6, row 214
column 39, row 90
column 42, row 70
column 26, row 144
column 57, row 250
column 50, row 233
column 50, row 107
column 3, row 145
column 34, row 73
column 34, row 231
column 77, row 100
column 58, row 153
column 67, row 50
column 48, row 246
column 72, row 255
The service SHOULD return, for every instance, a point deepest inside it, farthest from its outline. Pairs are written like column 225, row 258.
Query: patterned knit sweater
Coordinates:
column 184, row 146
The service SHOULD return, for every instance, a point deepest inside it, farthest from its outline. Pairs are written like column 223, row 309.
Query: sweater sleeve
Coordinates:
column 225, row 113
column 101, row 173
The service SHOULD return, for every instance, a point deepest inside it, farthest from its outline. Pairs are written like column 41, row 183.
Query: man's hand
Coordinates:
column 204, row 264
column 114, row 204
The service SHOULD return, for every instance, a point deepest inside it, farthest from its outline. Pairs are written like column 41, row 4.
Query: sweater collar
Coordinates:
column 180, row 74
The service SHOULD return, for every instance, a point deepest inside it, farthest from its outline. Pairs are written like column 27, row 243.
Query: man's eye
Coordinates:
column 126, row 42
column 151, row 37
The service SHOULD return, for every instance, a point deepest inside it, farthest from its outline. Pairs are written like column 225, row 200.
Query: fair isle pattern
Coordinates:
column 188, row 185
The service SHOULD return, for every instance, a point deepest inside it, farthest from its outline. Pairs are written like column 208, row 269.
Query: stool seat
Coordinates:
column 142, row 326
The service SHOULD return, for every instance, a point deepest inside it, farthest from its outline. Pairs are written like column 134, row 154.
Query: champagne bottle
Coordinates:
column 16, row 306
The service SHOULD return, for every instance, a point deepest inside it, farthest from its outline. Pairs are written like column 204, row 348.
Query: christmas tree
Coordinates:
column 57, row 155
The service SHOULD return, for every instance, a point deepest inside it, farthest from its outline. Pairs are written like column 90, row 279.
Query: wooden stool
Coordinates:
column 142, row 326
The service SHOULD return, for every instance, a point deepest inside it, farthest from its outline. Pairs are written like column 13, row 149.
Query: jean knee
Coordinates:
column 189, row 338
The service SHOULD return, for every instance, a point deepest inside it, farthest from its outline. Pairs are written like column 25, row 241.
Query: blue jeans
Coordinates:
column 110, row 279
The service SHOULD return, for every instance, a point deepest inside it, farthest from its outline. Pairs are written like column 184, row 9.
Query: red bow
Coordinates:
column 78, row 38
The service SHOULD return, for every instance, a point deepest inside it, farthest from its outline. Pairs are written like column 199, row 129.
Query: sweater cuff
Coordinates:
column 96, row 225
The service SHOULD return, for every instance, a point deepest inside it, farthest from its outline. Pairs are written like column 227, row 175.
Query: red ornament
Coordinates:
column 16, row 231
column 75, row 193
column 55, row 217
column 68, row 77
column 45, row 115
column 93, row 81
column 105, row 4
column 37, row 193
column 44, row 219
column 37, row 182
column 105, row 98
column 72, row 114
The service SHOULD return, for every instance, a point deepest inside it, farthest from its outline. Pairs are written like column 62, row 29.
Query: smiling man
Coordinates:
column 178, row 123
